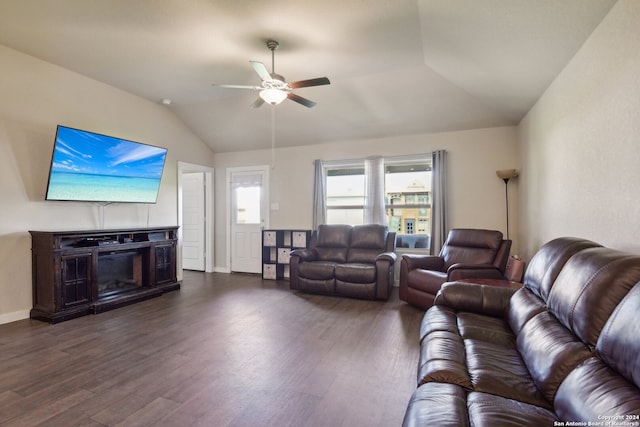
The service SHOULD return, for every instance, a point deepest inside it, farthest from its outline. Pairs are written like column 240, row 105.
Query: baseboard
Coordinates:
column 13, row 317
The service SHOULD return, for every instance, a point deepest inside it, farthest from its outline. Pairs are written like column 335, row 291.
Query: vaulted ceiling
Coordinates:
column 396, row 66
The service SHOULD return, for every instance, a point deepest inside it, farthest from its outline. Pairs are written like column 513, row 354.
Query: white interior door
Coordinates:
column 193, row 221
column 249, row 215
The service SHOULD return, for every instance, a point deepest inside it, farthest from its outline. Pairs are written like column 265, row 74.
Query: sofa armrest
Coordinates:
column 471, row 297
column 387, row 256
column 296, row 257
column 384, row 274
column 425, row 262
column 475, row 271
column 304, row 254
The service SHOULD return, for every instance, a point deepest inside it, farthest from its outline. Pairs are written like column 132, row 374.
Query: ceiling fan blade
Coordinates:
column 261, row 70
column 238, row 86
column 300, row 100
column 311, row 82
column 258, row 103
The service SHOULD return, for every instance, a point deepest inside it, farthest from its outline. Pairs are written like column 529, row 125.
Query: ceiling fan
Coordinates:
column 274, row 89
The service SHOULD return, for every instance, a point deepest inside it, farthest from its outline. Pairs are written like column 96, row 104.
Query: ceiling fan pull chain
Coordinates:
column 273, row 137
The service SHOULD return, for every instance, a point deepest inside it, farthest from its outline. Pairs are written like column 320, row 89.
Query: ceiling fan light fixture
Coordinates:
column 273, row 96
column 274, row 88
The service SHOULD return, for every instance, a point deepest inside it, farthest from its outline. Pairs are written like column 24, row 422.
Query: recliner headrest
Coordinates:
column 474, row 238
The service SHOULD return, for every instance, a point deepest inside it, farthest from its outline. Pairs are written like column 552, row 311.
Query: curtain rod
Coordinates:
column 341, row 162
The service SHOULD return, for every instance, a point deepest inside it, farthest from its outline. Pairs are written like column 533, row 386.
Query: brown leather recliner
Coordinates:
column 353, row 261
column 467, row 253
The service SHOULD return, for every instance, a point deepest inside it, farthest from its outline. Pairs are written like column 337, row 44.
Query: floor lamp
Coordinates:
column 506, row 175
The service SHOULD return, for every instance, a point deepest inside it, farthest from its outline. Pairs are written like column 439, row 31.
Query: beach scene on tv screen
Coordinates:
column 92, row 167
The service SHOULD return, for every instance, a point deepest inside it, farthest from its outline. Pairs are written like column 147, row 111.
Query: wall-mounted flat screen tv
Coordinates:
column 91, row 167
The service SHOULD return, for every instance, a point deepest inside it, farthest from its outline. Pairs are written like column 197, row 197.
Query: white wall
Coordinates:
column 580, row 144
column 36, row 96
column 476, row 194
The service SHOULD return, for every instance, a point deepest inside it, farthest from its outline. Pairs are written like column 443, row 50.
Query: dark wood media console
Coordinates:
column 83, row 272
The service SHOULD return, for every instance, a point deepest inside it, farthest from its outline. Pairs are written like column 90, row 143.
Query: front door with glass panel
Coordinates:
column 248, row 217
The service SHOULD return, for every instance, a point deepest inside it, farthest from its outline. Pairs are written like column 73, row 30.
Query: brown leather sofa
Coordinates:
column 467, row 253
column 352, row 261
column 562, row 350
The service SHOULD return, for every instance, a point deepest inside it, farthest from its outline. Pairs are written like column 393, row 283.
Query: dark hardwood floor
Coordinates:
column 225, row 350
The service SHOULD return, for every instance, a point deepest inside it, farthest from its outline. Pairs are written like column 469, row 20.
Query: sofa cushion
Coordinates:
column 546, row 264
column 367, row 241
column 333, row 235
column 356, row 290
column 490, row 410
column 498, row 369
column 367, row 256
column 522, row 307
column 368, row 236
column 437, row 404
column 356, row 273
column 332, row 254
column 550, row 352
column 485, row 328
column 442, row 360
column 318, row 286
column 438, row 318
column 319, row 270
column 333, row 242
column 619, row 342
column 593, row 391
column 589, row 287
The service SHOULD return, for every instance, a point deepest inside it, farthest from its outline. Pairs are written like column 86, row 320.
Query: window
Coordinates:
column 345, row 195
column 248, row 205
column 409, row 210
column 407, row 196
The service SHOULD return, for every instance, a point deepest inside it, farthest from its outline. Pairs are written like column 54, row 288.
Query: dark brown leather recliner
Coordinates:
column 467, row 253
column 353, row 261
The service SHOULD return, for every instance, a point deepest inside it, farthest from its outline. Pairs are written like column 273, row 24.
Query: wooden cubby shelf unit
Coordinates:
column 87, row 272
column 276, row 247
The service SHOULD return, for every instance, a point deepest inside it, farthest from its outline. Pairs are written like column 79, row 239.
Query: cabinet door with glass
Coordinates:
column 76, row 280
column 165, row 266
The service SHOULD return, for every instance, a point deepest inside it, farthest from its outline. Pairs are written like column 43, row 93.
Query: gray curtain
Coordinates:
column 374, row 211
column 438, row 202
column 319, row 195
